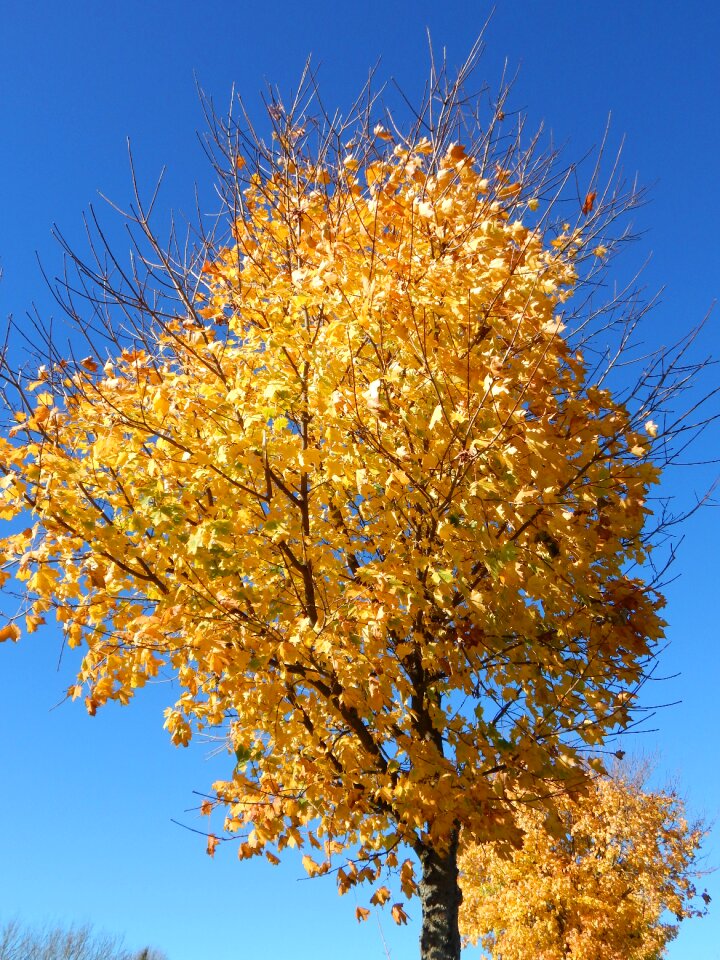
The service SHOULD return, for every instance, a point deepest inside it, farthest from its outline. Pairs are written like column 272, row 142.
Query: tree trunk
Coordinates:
column 440, row 896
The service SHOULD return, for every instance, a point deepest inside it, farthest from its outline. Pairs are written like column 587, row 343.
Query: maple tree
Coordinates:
column 599, row 886
column 352, row 472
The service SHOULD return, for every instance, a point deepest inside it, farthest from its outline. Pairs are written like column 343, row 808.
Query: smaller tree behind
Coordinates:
column 597, row 885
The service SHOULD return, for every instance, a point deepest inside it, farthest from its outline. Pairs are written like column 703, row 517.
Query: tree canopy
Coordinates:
column 353, row 474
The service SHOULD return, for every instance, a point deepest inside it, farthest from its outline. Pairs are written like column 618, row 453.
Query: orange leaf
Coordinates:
column 589, row 202
column 9, row 632
column 212, row 842
column 381, row 896
column 361, row 913
column 511, row 190
column 398, row 914
column 407, row 878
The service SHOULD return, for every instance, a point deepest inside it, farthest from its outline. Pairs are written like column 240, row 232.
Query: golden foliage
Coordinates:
column 597, row 886
column 360, row 496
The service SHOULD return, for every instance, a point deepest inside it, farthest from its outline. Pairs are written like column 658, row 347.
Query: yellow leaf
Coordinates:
column 436, row 417
column 33, row 621
column 311, row 867
column 161, row 404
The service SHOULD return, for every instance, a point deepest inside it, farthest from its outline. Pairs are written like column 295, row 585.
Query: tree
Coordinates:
column 353, row 471
column 598, row 887
column 18, row 942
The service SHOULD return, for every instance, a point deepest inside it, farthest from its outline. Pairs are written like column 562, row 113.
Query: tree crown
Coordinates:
column 349, row 476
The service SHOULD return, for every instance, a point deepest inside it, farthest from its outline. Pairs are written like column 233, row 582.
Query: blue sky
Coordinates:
column 86, row 805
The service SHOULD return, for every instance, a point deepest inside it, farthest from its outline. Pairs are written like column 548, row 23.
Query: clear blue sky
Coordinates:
column 86, row 804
